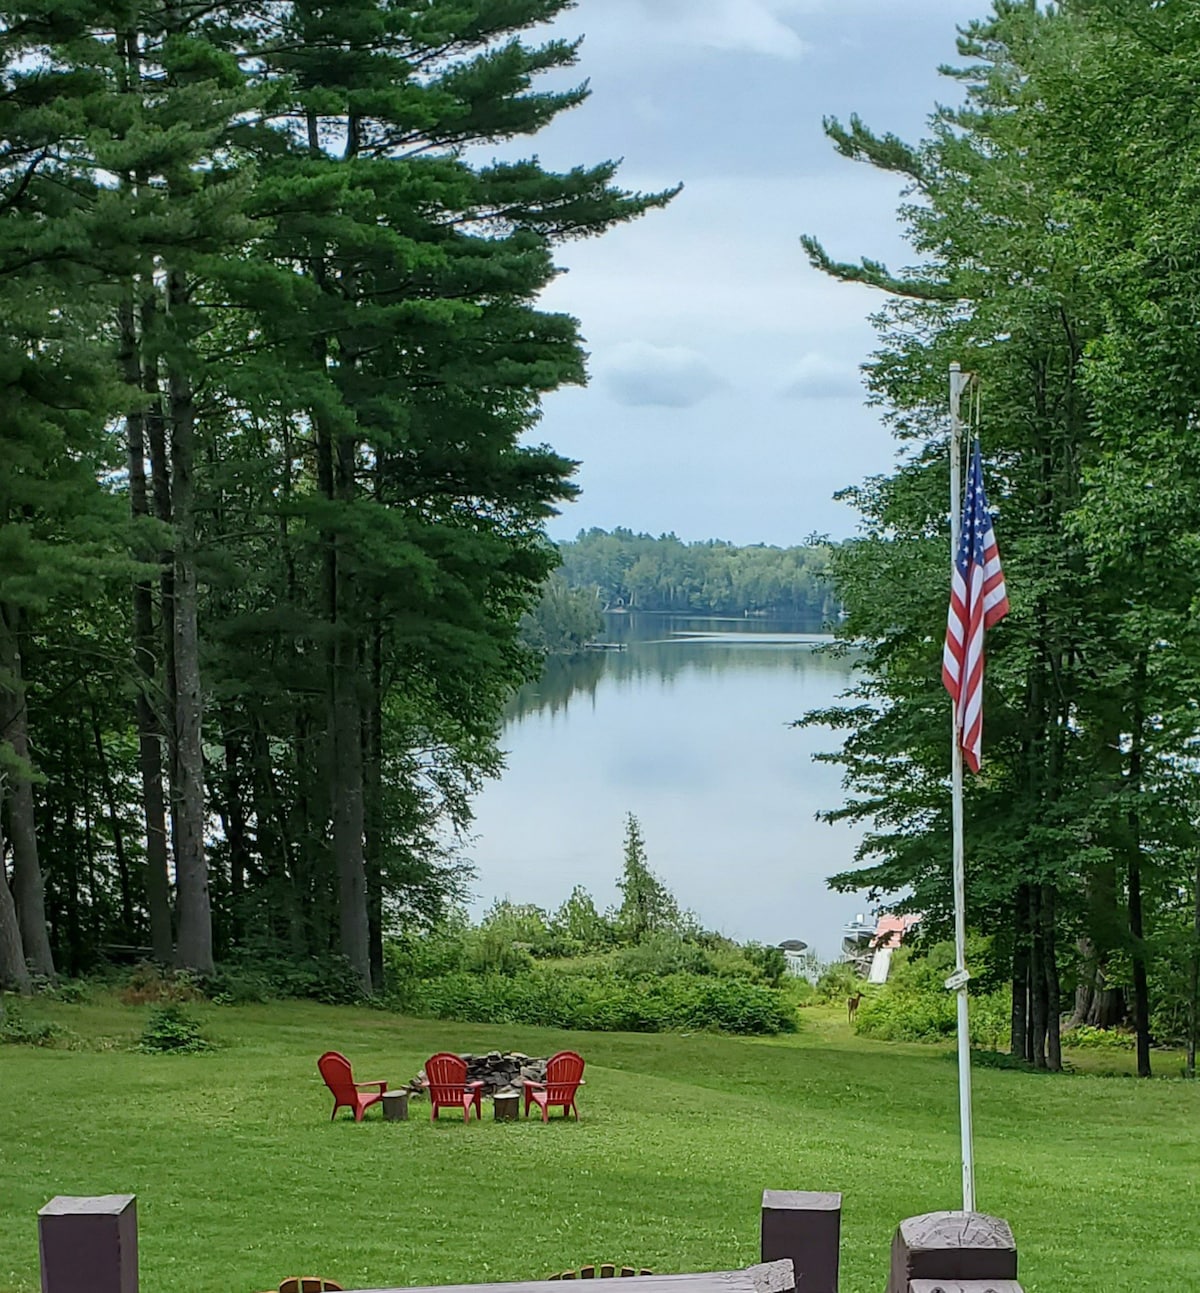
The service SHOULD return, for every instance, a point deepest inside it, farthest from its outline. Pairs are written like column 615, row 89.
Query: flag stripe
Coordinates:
column 978, row 601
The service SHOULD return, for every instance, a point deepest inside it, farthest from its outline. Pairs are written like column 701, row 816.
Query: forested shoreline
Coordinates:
column 269, row 519
column 641, row 572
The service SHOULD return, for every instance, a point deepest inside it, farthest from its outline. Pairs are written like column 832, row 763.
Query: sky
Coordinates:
column 725, row 398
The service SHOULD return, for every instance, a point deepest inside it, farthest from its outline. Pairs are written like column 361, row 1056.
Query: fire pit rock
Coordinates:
column 497, row 1070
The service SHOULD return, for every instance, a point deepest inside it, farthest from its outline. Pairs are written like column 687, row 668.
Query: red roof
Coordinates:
column 891, row 929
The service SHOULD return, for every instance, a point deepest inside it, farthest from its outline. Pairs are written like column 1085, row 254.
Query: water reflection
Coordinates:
column 688, row 727
column 664, row 647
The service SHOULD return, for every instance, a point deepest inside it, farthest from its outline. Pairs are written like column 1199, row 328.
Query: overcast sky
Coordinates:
column 725, row 399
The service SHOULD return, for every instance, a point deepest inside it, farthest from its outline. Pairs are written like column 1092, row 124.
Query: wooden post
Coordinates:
column 941, row 1246
column 89, row 1245
column 806, row 1227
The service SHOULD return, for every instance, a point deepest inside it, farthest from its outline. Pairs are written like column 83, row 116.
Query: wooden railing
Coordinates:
column 89, row 1245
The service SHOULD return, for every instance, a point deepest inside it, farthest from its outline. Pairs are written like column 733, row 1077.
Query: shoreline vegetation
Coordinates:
column 617, row 571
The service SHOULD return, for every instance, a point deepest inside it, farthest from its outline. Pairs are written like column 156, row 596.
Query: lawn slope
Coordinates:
column 242, row 1179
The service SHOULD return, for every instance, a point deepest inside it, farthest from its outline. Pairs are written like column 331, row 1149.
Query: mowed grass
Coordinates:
column 242, row 1179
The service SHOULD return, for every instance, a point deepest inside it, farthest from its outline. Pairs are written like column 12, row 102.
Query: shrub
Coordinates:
column 148, row 982
column 250, row 977
column 491, row 949
column 769, row 962
column 659, row 955
column 17, row 1030
column 604, row 1002
column 1085, row 1037
column 74, row 992
column 838, row 981
column 171, row 1030
column 914, row 1006
column 413, row 956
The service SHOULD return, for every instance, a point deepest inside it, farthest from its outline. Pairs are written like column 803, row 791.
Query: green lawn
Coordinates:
column 242, row 1179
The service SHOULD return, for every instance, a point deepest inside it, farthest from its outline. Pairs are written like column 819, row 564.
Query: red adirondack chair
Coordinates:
column 446, row 1082
column 335, row 1069
column 564, row 1077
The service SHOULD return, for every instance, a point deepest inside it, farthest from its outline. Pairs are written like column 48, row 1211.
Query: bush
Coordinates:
column 659, row 955
column 148, row 982
column 914, row 1006
column 1086, row 1037
column 249, row 978
column 769, row 962
column 171, row 1030
column 838, row 981
column 604, row 1002
column 74, row 992
column 16, row 1030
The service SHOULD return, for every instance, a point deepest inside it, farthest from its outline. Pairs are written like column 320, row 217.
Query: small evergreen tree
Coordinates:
column 647, row 905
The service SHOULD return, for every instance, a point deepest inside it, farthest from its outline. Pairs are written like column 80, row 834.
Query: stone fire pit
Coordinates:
column 497, row 1070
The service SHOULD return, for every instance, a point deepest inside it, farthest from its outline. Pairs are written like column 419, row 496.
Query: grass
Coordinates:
column 242, row 1179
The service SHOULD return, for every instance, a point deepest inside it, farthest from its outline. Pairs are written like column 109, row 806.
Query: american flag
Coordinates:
column 977, row 601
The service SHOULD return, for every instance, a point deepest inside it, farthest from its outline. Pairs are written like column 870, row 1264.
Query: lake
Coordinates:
column 687, row 728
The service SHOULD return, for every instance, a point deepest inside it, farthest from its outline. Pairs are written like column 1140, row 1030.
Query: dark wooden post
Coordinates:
column 957, row 1247
column 807, row 1227
column 89, row 1245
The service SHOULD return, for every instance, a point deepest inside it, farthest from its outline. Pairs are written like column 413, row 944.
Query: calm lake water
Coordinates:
column 686, row 728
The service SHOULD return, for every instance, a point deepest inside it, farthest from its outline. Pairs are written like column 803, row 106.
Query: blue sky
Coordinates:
column 725, row 399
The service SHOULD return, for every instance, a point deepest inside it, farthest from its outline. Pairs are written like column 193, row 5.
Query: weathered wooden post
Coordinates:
column 954, row 1252
column 89, row 1245
column 806, row 1227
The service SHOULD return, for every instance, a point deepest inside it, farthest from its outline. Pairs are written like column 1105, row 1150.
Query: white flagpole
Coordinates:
column 958, row 980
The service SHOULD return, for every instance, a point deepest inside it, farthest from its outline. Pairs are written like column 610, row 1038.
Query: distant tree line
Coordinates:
column 711, row 577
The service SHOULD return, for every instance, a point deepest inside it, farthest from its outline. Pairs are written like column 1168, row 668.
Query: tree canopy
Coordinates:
column 1050, row 217
column 271, row 501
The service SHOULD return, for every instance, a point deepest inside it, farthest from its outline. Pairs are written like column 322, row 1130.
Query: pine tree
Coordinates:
column 647, row 906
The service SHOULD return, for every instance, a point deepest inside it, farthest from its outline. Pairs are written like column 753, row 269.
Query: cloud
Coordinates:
column 637, row 373
column 674, row 27
column 817, row 378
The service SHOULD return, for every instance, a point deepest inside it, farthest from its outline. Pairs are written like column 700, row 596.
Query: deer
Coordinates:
column 852, row 1006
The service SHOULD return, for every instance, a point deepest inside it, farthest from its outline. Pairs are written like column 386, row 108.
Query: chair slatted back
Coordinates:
column 564, row 1072
column 446, row 1075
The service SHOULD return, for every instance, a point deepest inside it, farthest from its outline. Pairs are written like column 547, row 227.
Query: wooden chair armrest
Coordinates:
column 381, row 1085
column 474, row 1086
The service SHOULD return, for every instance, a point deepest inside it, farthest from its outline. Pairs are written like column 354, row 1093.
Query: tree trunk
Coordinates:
column 1037, row 981
column 128, row 922
column 235, row 828
column 373, row 790
column 1137, row 939
column 1194, row 978
column 336, row 480
column 1141, row 989
column 28, row 885
column 1053, row 986
column 149, row 726
column 14, row 973
column 1019, row 1032
column 1085, row 988
column 348, row 822
column 194, row 949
